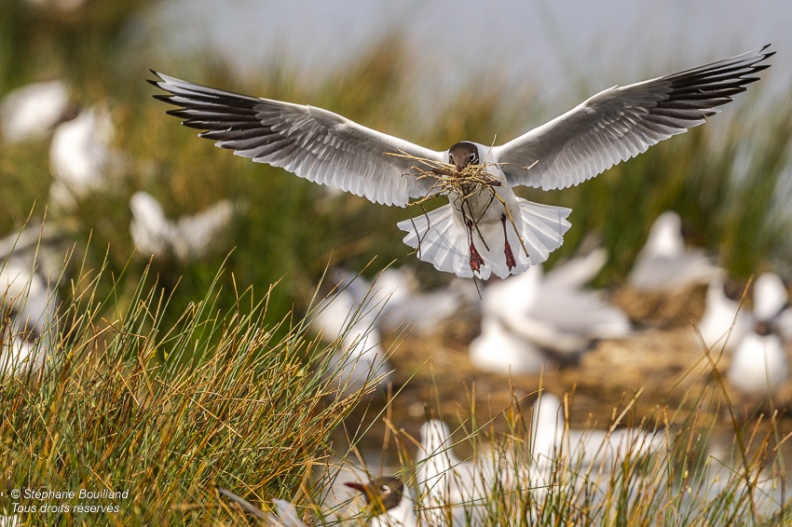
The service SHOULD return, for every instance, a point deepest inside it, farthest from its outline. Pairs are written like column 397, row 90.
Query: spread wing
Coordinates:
column 313, row 143
column 622, row 122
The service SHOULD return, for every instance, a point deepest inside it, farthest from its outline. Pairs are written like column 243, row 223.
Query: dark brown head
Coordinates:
column 382, row 494
column 463, row 154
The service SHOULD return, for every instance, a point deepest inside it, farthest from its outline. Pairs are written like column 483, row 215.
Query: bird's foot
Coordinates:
column 510, row 260
column 476, row 261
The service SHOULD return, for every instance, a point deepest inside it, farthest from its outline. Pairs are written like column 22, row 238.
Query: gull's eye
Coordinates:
column 472, row 156
column 384, row 489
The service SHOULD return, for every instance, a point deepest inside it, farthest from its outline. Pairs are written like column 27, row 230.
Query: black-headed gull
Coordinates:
column 82, row 157
column 401, row 305
column 486, row 228
column 450, row 487
column 556, row 316
column 29, row 333
column 664, row 262
column 33, row 110
column 759, row 363
column 724, row 321
column 499, row 350
column 553, row 442
column 188, row 238
column 352, row 321
column 388, row 501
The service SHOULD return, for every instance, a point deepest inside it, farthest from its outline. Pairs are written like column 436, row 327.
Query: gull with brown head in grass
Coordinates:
column 486, row 228
column 388, row 502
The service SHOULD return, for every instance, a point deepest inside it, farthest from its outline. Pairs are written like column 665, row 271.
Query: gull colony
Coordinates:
column 540, row 319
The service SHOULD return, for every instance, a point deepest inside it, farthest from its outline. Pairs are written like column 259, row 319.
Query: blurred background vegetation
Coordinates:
column 729, row 181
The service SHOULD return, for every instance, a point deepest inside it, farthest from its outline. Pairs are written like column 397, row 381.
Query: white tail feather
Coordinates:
column 441, row 239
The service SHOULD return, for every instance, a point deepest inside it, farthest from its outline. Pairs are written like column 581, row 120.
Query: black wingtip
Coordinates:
column 765, row 54
column 156, row 82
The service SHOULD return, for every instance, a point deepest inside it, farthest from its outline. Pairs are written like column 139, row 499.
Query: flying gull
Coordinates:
column 485, row 228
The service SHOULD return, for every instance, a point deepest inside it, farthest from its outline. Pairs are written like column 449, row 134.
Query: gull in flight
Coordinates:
column 485, row 228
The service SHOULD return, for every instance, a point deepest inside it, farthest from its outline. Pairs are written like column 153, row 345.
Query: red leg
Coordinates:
column 476, row 261
column 510, row 261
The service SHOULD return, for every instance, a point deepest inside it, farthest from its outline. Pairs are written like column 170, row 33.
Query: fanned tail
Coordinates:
column 441, row 239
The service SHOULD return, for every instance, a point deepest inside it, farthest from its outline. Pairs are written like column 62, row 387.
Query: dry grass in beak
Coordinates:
column 471, row 181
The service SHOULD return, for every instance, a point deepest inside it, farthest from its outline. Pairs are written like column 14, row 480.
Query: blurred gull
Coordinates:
column 360, row 358
column 553, row 443
column 448, row 485
column 770, row 296
column 285, row 513
column 724, row 322
column 82, row 158
column 577, row 271
column 499, row 350
column 759, row 363
column 32, row 111
column 771, row 303
column 665, row 264
column 485, row 229
column 401, row 305
column 553, row 315
column 29, row 335
column 188, row 238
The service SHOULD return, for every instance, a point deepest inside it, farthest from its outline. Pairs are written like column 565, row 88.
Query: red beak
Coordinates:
column 355, row 485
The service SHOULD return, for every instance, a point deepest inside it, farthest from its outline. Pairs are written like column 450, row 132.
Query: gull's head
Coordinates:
column 463, row 154
column 381, row 494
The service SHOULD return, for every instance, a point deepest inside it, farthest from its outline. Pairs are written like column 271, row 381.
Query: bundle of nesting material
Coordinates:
column 473, row 182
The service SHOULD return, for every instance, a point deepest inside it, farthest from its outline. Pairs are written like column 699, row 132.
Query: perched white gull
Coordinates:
column 486, row 228
column 770, row 296
column 360, row 358
column 401, row 305
column 771, row 304
column 33, row 110
column 553, row 443
column 188, row 238
column 553, row 315
column 499, row 350
column 724, row 321
column 759, row 363
column 449, row 486
column 82, row 158
column 664, row 262
column 29, row 334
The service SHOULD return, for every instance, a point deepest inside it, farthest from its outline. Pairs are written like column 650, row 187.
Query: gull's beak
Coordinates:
column 356, row 486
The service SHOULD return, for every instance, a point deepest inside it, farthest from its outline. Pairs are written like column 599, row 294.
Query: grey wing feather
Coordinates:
column 313, row 143
column 622, row 122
